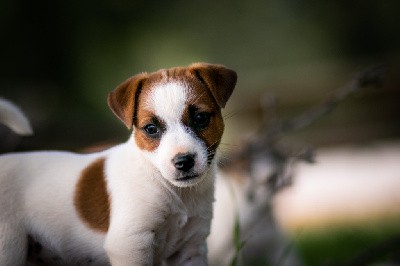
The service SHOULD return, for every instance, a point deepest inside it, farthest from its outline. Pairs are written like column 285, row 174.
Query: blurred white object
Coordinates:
column 346, row 185
column 14, row 118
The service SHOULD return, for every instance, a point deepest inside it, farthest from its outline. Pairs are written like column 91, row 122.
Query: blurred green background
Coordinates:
column 59, row 59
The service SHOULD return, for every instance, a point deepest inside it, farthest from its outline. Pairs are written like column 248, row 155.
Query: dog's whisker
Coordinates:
column 232, row 113
column 198, row 97
column 227, row 150
column 211, row 146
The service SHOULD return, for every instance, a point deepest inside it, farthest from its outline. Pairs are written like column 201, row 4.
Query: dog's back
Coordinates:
column 38, row 210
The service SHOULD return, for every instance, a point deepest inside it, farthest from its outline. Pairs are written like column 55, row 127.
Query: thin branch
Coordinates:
column 264, row 146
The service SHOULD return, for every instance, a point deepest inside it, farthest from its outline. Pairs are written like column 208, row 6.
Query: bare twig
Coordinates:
column 264, row 146
column 372, row 76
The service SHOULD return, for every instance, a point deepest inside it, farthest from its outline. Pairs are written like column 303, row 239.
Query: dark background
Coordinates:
column 59, row 59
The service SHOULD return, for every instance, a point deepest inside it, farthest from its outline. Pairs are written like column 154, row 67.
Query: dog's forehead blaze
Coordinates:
column 91, row 199
column 160, row 87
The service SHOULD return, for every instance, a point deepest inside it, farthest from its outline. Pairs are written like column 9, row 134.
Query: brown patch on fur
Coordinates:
column 91, row 198
column 143, row 141
column 219, row 80
column 205, row 102
column 122, row 100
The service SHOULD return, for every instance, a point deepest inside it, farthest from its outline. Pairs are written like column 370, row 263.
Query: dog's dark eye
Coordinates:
column 200, row 120
column 152, row 130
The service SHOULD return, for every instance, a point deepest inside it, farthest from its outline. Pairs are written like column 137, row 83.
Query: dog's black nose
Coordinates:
column 184, row 162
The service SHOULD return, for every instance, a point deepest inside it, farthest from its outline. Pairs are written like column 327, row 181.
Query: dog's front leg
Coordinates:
column 132, row 249
column 131, row 236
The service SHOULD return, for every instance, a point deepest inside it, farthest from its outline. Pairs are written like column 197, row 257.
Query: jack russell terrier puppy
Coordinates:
column 144, row 202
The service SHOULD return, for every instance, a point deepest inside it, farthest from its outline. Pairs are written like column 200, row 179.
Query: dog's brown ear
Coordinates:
column 122, row 100
column 220, row 80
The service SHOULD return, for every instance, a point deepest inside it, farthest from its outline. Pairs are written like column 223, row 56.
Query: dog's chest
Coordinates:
column 170, row 236
column 180, row 229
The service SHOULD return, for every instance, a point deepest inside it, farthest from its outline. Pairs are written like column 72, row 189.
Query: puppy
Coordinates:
column 144, row 202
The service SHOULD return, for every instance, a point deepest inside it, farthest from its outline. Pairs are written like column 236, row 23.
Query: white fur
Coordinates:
column 153, row 220
column 168, row 101
column 171, row 213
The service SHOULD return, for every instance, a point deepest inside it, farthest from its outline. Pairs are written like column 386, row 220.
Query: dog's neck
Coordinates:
column 206, row 186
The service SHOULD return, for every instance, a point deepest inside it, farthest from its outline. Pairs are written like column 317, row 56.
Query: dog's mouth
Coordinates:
column 187, row 177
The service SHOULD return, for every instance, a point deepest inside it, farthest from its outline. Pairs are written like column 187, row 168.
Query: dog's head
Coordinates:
column 176, row 117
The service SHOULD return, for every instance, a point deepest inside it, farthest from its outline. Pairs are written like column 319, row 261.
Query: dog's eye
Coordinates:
column 151, row 130
column 200, row 120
